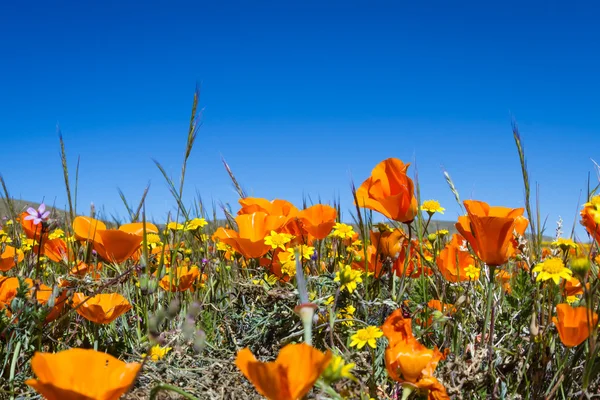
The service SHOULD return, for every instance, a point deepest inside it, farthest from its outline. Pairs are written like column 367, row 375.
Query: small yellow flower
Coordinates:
column 278, row 240
column 343, row 231
column 174, row 226
column 223, row 247
column 338, row 369
column 349, row 278
column 347, row 313
column 368, row 335
column 552, row 268
column 442, row 232
column 472, row 272
column 594, row 202
column 9, row 222
column 270, row 279
column 564, row 244
column 157, row 353
column 4, row 238
column 572, row 299
column 328, row 300
column 195, row 223
column 432, row 207
column 56, row 234
column 306, row 251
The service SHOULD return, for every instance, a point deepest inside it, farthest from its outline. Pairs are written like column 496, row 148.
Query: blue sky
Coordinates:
column 300, row 97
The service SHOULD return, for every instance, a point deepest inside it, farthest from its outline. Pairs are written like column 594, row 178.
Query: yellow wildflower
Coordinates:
column 472, row 272
column 195, row 223
column 278, row 240
column 157, row 353
column 368, row 335
column 343, row 231
column 338, row 369
column 56, row 234
column 552, row 268
column 432, row 207
column 348, row 277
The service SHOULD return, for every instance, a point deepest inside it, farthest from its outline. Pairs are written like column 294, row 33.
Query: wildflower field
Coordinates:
column 286, row 301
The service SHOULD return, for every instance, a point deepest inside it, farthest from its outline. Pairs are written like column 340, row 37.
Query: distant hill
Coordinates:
column 22, row 205
column 60, row 214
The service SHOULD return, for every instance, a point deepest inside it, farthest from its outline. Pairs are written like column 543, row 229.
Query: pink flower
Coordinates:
column 39, row 215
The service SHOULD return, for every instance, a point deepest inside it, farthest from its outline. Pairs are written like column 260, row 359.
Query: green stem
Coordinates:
column 171, row 388
column 488, row 305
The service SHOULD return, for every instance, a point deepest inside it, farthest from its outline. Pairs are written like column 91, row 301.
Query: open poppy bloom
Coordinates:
column 252, row 230
column 112, row 245
column 9, row 256
column 574, row 324
column 85, row 228
column 276, row 207
column 115, row 245
column 408, row 361
column 290, row 376
column 389, row 191
column 590, row 217
column 318, row 220
column 82, row 269
column 373, row 263
column 489, row 230
column 179, row 279
column 77, row 374
column 387, row 242
column 102, row 308
column 137, row 228
column 32, row 231
column 43, row 295
column 454, row 260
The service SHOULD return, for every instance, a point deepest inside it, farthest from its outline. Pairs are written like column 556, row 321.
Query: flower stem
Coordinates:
column 488, row 305
column 171, row 388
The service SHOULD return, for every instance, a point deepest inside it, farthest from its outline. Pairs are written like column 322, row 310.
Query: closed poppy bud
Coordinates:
column 574, row 324
column 389, row 191
column 489, row 230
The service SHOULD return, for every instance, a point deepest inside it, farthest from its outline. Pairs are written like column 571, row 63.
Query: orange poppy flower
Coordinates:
column 102, row 308
column 373, row 264
column 489, row 230
column 574, row 323
column 114, row 245
column 389, row 191
column 290, row 376
column 252, row 230
column 31, row 231
column 55, row 249
column 137, row 228
column 572, row 287
column 43, row 295
column 413, row 267
column 183, row 279
column 318, row 220
column 85, row 228
column 82, row 269
column 504, row 277
column 407, row 360
column 251, row 205
column 60, row 375
column 388, row 243
column 9, row 256
column 590, row 218
column 454, row 259
column 10, row 286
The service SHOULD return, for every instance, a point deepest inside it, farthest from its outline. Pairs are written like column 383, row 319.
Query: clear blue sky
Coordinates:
column 299, row 97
